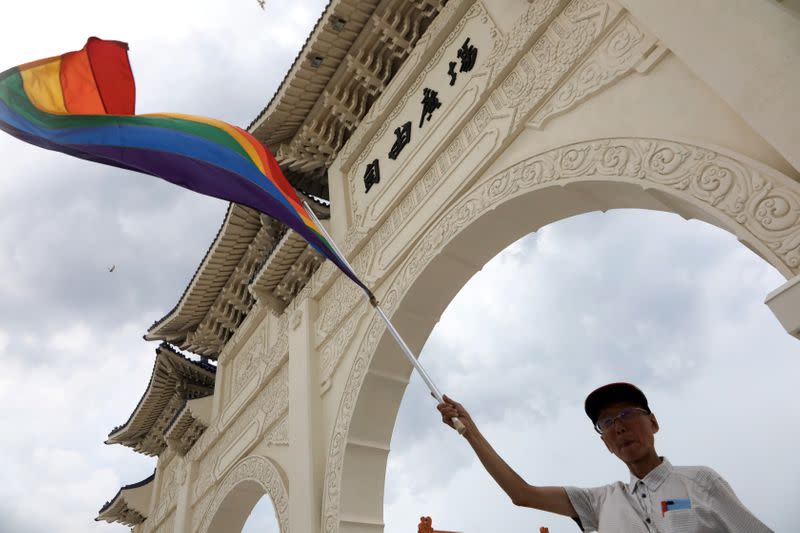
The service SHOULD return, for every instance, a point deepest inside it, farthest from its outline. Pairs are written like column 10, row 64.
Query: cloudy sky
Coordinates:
column 674, row 306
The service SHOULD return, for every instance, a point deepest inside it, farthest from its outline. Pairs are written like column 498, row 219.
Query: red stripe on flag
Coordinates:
column 113, row 75
column 275, row 174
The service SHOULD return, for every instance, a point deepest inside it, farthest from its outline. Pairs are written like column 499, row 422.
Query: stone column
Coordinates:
column 341, row 209
column 223, row 366
column 183, row 509
column 305, row 418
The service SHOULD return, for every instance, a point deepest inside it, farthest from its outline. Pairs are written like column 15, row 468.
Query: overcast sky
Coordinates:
column 674, row 306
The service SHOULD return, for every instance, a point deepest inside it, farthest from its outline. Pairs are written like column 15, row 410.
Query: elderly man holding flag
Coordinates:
column 658, row 498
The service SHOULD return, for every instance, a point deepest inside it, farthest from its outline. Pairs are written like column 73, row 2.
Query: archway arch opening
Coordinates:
column 236, row 511
column 693, row 342
column 262, row 518
column 254, row 484
column 746, row 199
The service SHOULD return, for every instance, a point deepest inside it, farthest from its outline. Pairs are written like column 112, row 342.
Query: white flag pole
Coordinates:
column 459, row 426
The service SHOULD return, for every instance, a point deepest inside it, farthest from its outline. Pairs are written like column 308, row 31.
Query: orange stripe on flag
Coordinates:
column 77, row 81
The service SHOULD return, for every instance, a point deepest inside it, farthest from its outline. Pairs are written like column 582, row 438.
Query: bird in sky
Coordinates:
column 111, row 268
column 261, row 3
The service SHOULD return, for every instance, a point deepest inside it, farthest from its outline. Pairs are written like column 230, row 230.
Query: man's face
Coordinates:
column 632, row 439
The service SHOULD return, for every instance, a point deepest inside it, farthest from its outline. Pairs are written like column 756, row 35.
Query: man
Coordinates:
column 659, row 498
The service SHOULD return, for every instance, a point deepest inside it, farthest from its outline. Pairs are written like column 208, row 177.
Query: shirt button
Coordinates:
column 648, row 520
column 644, row 495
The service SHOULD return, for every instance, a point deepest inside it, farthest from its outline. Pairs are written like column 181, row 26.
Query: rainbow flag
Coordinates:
column 82, row 104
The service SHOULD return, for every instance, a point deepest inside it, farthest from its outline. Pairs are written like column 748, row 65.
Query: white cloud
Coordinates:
column 85, row 383
column 72, row 341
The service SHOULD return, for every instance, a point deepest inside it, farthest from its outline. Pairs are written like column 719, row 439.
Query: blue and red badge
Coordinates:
column 675, row 504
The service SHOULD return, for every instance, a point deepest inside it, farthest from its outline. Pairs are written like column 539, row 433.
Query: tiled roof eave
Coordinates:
column 156, row 397
column 183, row 430
column 119, row 510
column 204, row 327
column 286, row 88
column 199, row 295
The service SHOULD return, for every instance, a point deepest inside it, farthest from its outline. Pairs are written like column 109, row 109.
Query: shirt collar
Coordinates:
column 654, row 478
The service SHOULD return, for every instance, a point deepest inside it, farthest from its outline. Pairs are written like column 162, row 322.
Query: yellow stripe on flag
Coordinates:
column 42, row 83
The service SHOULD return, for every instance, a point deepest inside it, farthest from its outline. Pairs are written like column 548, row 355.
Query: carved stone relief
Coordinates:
column 169, row 523
column 174, row 476
column 333, row 471
column 505, row 52
column 256, row 313
column 566, row 40
column 333, row 349
column 247, row 360
column 265, row 410
column 255, row 364
column 279, row 434
column 621, row 50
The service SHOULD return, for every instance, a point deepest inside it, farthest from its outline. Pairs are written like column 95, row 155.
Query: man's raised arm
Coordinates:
column 551, row 499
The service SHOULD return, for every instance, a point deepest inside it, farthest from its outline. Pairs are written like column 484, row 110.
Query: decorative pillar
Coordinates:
column 339, row 222
column 305, row 419
column 219, row 386
column 155, row 498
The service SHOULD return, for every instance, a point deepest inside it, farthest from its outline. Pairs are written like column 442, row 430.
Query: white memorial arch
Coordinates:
column 442, row 131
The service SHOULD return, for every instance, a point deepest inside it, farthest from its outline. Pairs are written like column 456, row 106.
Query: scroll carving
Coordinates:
column 247, row 360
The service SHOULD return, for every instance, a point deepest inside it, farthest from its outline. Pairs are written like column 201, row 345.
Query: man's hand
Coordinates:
column 451, row 409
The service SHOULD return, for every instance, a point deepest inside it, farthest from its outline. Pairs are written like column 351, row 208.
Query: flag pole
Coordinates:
column 457, row 424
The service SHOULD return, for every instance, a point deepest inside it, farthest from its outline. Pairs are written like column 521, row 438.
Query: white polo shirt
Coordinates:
column 670, row 499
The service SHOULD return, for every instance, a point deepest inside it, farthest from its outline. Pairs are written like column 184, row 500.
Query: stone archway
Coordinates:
column 756, row 203
column 239, row 492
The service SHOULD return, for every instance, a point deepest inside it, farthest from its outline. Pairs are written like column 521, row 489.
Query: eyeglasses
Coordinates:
column 626, row 415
